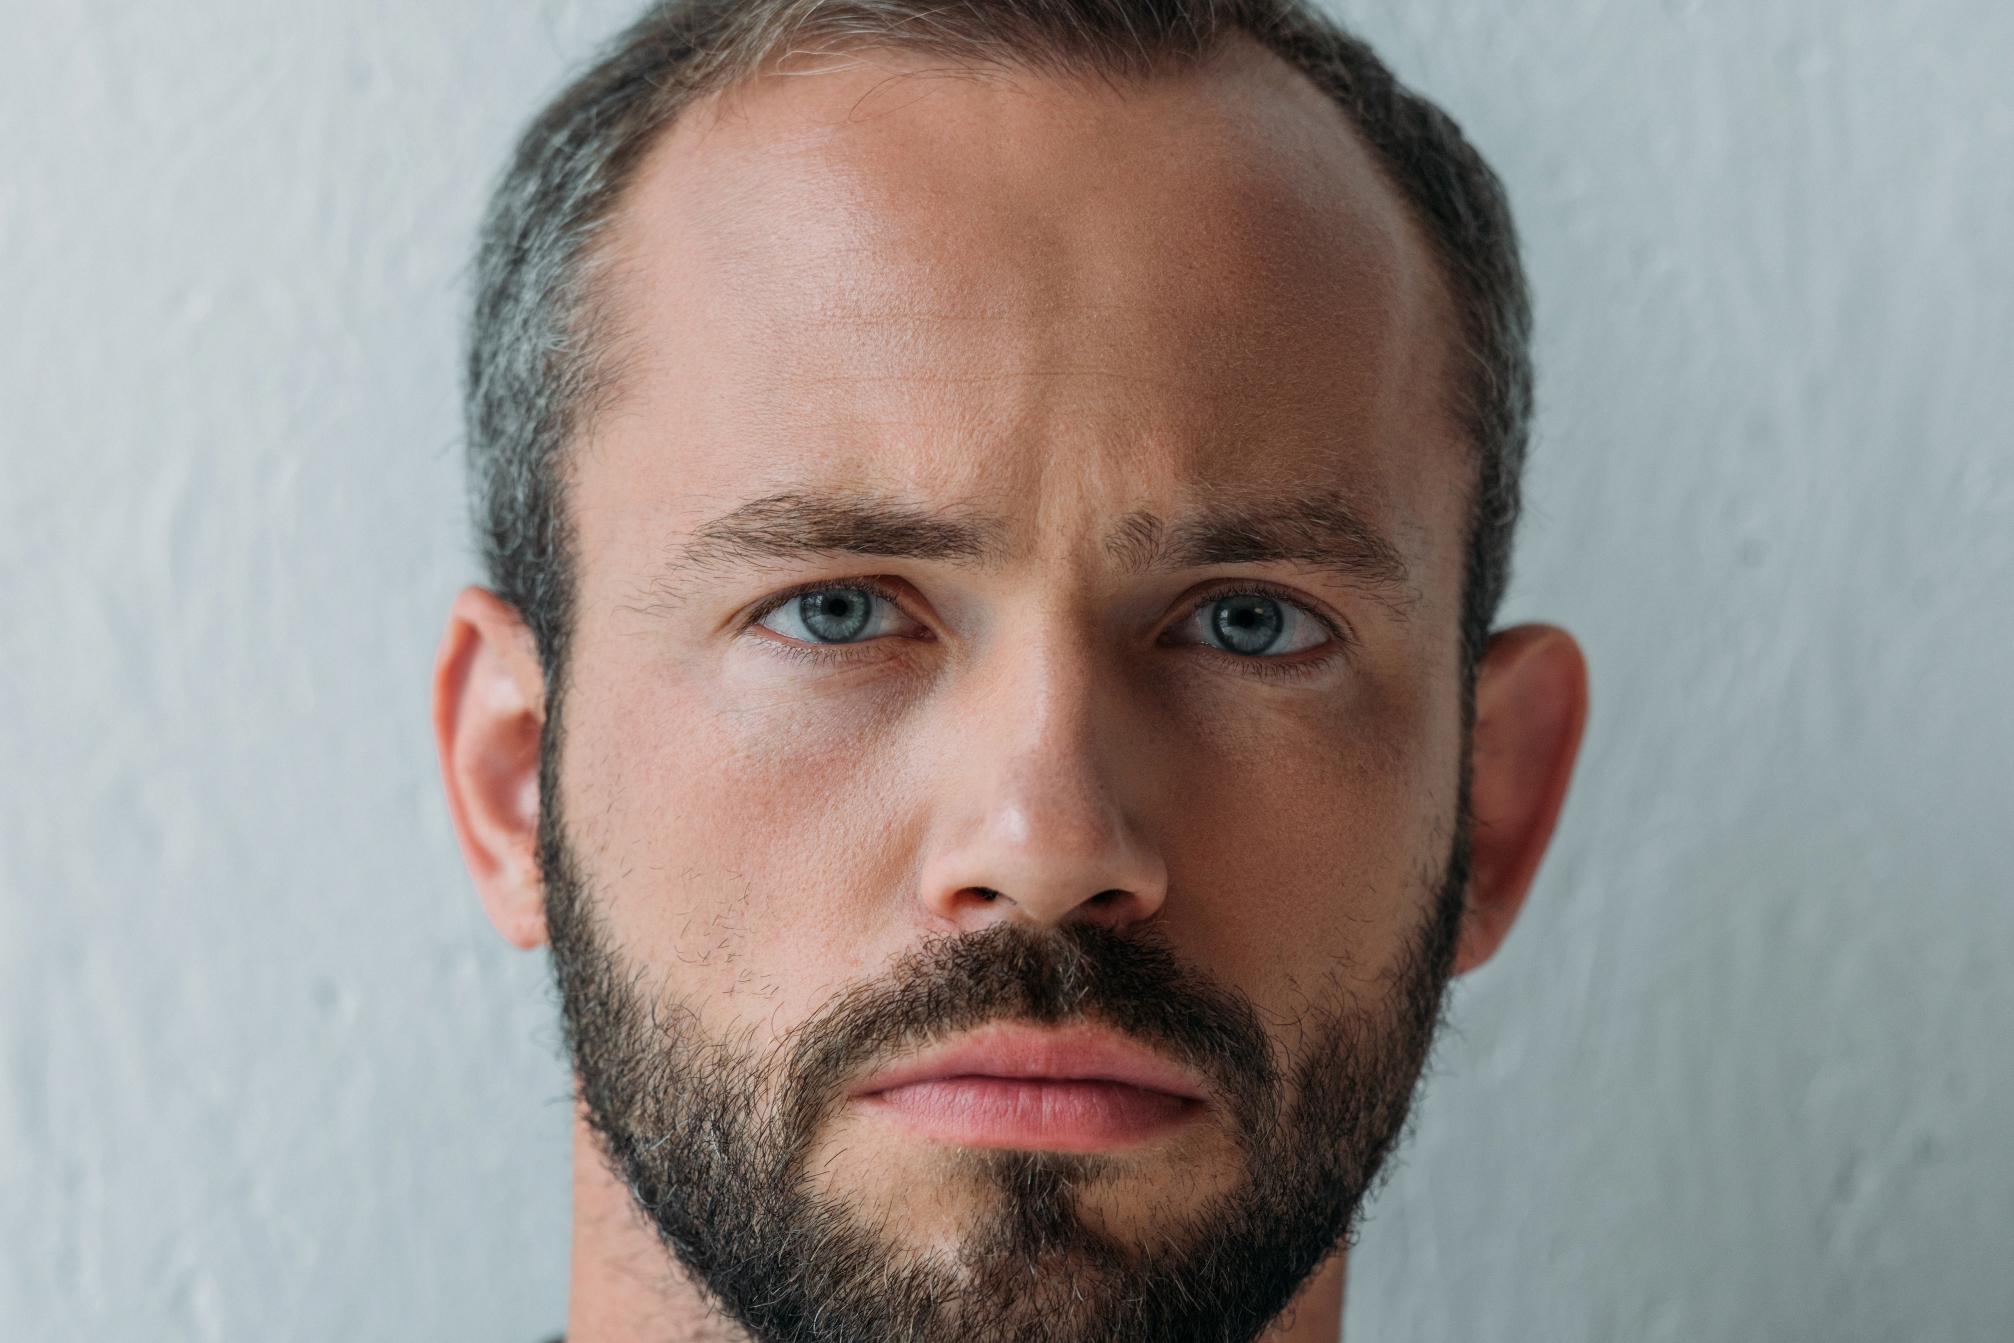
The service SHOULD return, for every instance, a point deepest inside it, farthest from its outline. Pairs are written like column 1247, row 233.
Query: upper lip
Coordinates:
column 1074, row 1053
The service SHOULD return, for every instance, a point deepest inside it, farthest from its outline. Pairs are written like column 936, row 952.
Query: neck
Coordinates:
column 627, row 1289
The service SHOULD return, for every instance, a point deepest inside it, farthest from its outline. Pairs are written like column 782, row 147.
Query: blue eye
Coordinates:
column 1253, row 625
column 835, row 616
column 1248, row 623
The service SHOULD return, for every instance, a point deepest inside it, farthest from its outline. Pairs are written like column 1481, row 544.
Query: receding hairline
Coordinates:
column 1236, row 60
column 1389, row 225
column 528, row 388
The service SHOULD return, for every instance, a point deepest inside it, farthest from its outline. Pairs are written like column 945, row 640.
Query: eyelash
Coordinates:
column 827, row 652
column 1342, row 641
column 1271, row 668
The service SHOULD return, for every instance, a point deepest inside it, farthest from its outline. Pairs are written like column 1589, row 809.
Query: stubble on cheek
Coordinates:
column 750, row 854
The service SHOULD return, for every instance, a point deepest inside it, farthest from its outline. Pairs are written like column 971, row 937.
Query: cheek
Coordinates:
column 748, row 844
column 757, row 835
column 1304, row 850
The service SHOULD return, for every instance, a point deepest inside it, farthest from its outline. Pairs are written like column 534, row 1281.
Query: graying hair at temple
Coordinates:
column 533, row 378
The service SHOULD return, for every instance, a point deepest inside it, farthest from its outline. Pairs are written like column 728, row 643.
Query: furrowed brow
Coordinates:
column 1324, row 534
column 786, row 527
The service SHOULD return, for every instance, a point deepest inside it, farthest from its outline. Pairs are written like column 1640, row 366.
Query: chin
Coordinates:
column 929, row 1193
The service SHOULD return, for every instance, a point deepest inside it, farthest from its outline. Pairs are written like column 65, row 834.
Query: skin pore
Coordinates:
column 1062, row 378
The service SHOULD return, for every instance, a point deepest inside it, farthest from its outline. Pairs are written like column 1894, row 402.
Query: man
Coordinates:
column 995, row 509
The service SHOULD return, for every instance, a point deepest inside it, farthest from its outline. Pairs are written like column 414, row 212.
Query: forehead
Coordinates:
column 1008, row 286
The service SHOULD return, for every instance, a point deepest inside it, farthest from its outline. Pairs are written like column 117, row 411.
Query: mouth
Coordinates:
column 1078, row 1088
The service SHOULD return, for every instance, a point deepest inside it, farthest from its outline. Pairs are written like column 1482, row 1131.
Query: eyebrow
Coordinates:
column 1323, row 533
column 783, row 527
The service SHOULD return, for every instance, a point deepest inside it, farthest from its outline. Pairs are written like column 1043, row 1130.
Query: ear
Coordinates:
column 1531, row 702
column 489, row 713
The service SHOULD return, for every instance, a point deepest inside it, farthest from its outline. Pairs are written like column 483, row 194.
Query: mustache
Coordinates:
column 1019, row 973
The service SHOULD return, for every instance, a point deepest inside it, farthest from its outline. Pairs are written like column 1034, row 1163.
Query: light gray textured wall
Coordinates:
column 1743, row 1072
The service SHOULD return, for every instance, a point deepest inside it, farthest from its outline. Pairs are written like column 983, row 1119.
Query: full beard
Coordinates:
column 714, row 1139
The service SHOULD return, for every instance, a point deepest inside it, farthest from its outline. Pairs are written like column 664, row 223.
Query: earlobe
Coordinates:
column 489, row 715
column 1531, row 703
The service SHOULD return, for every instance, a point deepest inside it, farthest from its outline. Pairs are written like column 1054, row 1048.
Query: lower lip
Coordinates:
column 1033, row 1113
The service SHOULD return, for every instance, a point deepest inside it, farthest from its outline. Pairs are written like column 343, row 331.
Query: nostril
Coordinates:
column 1109, row 897
column 985, row 893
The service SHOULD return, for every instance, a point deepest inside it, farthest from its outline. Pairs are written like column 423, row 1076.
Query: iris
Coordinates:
column 835, row 615
column 1247, row 622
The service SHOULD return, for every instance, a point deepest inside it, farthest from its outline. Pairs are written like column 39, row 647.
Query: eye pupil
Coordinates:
column 1249, row 623
column 835, row 615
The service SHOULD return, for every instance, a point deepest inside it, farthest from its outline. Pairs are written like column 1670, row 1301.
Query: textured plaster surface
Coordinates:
column 1743, row 1071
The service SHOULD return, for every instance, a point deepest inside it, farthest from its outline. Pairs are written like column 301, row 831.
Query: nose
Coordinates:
column 1030, row 823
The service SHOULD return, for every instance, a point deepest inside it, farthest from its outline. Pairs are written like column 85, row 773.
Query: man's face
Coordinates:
column 1019, row 557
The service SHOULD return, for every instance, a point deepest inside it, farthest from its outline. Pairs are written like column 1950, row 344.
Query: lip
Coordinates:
column 1078, row 1088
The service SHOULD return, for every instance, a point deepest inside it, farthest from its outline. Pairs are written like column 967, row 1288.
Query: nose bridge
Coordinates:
column 1050, row 772
column 1034, row 821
